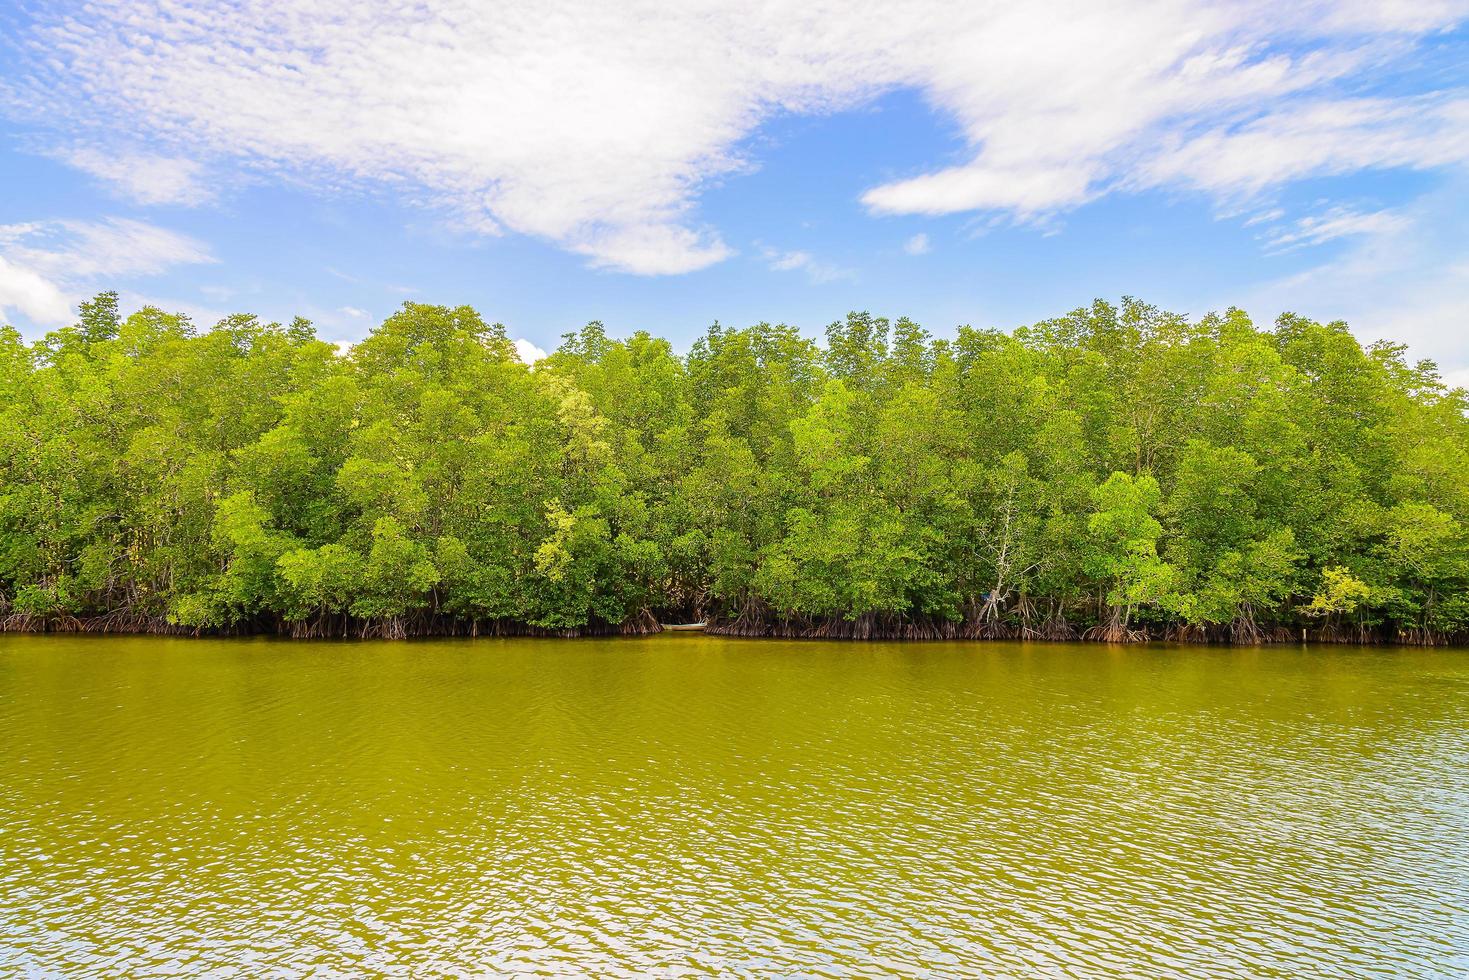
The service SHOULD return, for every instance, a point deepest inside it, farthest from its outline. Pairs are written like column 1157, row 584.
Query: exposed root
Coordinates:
column 870, row 626
column 1188, row 633
column 1246, row 632
column 1024, row 620
column 978, row 623
column 323, row 626
column 1421, row 636
column 1115, row 632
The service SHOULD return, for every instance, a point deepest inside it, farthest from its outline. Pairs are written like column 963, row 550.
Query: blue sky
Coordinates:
column 552, row 162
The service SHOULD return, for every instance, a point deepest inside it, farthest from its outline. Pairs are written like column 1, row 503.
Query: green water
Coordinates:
column 687, row 805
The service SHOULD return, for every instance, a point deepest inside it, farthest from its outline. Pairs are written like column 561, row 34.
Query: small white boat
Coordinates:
column 694, row 627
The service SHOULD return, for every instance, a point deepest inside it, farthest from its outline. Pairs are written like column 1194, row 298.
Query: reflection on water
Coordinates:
column 687, row 805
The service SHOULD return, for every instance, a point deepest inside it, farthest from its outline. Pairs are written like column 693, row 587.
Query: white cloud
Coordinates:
column 1403, row 276
column 528, row 352
column 786, row 261
column 144, row 177
column 1023, row 190
column 1319, row 138
column 1388, row 15
column 46, row 266
column 32, row 295
column 1337, row 222
column 653, row 250
column 1265, row 217
column 918, row 245
column 354, row 312
column 596, row 126
column 817, row 270
column 90, row 250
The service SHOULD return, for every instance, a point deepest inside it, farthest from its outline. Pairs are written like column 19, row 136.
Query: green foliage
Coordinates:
column 1124, row 545
column 1119, row 468
column 1340, row 592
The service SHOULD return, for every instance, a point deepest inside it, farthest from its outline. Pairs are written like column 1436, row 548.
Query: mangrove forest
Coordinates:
column 1117, row 473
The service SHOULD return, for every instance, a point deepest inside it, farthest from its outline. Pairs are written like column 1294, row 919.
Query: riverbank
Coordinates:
column 323, row 628
column 861, row 629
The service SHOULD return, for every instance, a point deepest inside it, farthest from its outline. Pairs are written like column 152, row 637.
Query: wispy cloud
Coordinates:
column 45, row 266
column 1337, row 222
column 144, row 178
column 1265, row 217
column 596, row 126
column 1321, row 137
column 1402, row 275
column 84, row 250
column 918, row 245
column 817, row 270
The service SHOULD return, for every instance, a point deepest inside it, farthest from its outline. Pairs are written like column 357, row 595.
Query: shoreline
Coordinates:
column 849, row 631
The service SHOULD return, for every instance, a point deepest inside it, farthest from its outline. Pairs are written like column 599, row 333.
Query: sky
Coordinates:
column 662, row 166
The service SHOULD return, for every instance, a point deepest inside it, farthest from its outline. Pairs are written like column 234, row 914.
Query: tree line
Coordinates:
column 1117, row 473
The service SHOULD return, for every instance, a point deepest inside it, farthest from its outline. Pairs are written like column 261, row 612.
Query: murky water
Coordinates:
column 686, row 805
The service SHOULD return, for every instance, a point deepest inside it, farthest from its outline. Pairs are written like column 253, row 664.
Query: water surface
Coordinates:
column 684, row 805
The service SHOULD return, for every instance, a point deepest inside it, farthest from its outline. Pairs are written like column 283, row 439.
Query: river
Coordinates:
column 686, row 805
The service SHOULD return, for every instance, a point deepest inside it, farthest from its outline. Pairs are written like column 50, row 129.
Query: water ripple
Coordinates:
column 686, row 806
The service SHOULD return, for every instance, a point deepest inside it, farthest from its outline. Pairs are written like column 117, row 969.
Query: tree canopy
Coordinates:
column 1116, row 473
